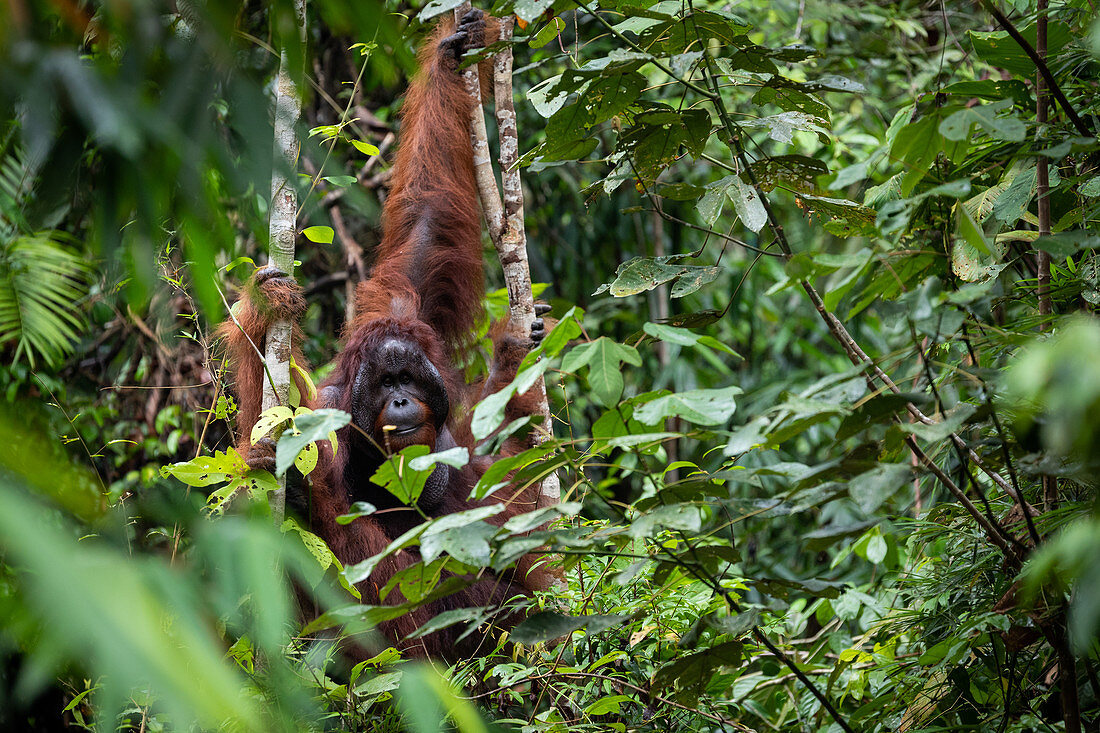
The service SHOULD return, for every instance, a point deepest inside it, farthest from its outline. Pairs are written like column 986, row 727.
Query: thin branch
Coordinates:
column 656, row 62
column 1040, row 66
column 353, row 259
column 1006, row 455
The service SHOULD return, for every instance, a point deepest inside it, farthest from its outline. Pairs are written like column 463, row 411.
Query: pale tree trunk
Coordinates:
column 479, row 140
column 505, row 223
column 281, row 229
column 512, row 248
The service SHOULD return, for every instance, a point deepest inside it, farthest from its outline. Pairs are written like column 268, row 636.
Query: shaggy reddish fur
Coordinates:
column 427, row 288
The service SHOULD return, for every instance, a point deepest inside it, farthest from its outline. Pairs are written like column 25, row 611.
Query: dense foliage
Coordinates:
column 825, row 387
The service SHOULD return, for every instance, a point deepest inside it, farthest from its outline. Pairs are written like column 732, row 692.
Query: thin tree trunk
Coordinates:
column 1067, row 663
column 512, row 249
column 479, row 139
column 1042, row 177
column 282, row 227
column 505, row 223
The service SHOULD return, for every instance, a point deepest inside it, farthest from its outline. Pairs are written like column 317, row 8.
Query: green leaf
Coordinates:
column 781, row 127
column 692, row 279
column 378, row 683
column 548, row 625
column 269, row 419
column 692, row 673
column 794, row 172
column 456, row 457
column 684, row 337
column 917, row 145
column 309, row 428
column 992, row 89
column 445, row 620
column 497, row 474
column 710, row 205
column 489, row 413
column 306, row 460
column 612, row 95
column 463, row 533
column 604, row 374
column 608, row 705
column 398, row 477
column 699, row 406
column 367, row 148
column 748, row 204
column 687, row 517
column 1065, row 244
column 41, row 286
column 645, row 273
column 530, row 10
column 957, row 125
column 207, row 470
column 850, row 218
column 738, row 624
column 969, row 231
column 790, row 99
column 871, row 489
column 999, row 49
column 469, row 544
column 316, row 546
column 319, row 234
column 431, row 10
column 1013, row 202
column 548, row 96
column 1090, row 188
column 549, row 32
column 341, row 181
column 356, row 510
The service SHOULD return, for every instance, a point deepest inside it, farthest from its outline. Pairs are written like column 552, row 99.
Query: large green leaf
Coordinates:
column 699, row 406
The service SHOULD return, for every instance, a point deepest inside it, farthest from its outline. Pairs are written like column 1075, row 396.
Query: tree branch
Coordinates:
column 1040, row 66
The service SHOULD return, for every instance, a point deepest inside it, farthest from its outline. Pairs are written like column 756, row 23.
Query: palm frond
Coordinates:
column 41, row 285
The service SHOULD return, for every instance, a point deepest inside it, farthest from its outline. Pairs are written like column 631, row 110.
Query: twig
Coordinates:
column 615, row 680
column 353, row 256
